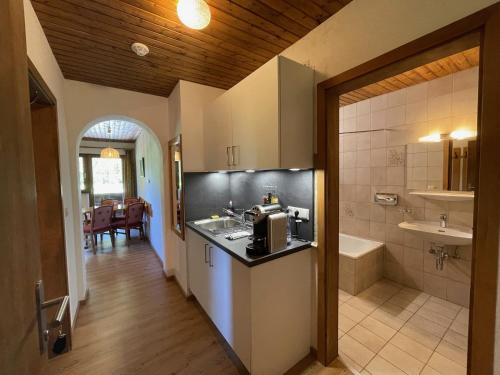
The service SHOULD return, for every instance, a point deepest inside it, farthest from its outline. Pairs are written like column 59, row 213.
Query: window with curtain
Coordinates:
column 107, row 176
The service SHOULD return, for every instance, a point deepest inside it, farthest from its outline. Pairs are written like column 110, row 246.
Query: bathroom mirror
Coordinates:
column 176, row 185
column 446, row 165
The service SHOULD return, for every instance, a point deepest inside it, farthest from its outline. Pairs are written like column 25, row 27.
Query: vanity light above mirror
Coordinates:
column 442, row 166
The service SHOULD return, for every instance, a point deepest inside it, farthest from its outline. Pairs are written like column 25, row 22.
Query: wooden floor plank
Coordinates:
column 135, row 322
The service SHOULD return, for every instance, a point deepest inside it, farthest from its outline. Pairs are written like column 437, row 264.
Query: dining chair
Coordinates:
column 130, row 200
column 133, row 220
column 109, row 202
column 100, row 223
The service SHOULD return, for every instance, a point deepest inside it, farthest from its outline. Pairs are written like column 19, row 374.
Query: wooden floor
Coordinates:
column 135, row 322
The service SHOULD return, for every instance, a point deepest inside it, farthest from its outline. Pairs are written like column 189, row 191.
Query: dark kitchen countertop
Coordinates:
column 237, row 248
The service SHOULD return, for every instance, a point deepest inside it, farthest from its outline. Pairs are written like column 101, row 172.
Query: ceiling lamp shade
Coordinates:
column 194, row 13
column 110, row 153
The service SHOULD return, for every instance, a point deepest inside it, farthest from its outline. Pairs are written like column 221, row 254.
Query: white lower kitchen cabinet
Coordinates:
column 263, row 312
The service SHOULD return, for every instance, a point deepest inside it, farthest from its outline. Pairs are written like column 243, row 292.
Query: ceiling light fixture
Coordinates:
column 140, row 49
column 109, row 152
column 194, row 13
column 250, row 171
column 294, row 169
column 463, row 134
column 431, row 138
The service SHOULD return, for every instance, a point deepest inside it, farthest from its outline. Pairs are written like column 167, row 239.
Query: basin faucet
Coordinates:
column 443, row 221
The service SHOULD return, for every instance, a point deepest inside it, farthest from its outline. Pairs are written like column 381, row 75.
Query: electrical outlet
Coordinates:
column 303, row 212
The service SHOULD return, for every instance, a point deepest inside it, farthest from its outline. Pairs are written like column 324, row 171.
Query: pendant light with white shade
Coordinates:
column 194, row 13
column 110, row 152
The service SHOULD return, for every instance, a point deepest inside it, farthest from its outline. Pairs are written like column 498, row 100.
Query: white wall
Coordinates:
column 41, row 56
column 186, row 103
column 88, row 103
column 149, row 188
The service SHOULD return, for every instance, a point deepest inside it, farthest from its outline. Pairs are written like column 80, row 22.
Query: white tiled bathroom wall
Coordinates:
column 374, row 139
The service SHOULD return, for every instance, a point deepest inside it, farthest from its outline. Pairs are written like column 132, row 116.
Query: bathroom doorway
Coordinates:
column 404, row 297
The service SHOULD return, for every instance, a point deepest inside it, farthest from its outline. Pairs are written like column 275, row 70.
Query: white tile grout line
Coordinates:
column 400, row 288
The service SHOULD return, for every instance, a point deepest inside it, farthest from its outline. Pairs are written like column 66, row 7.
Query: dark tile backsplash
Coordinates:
column 207, row 193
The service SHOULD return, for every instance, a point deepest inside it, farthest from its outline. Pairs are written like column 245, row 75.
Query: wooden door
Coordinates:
column 218, row 134
column 484, row 335
column 50, row 209
column 255, row 119
column 20, row 252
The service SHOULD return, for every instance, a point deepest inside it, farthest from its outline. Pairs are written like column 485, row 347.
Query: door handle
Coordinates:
column 206, row 261
column 41, row 305
column 210, row 259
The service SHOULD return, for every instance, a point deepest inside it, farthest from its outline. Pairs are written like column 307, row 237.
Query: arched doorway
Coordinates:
column 136, row 171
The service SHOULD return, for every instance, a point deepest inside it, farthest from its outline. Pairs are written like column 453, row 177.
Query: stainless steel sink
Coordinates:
column 219, row 225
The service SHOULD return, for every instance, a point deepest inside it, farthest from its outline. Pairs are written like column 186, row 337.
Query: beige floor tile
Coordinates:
column 383, row 289
column 365, row 304
column 345, row 324
column 463, row 316
column 340, row 333
column 412, row 347
column 422, row 337
column 427, row 325
column 446, row 304
column 396, row 311
column 406, row 304
column 353, row 313
column 442, row 307
column 380, row 329
column 367, row 338
column 379, row 366
column 434, row 317
column 452, row 352
column 456, row 339
column 429, row 371
column 365, row 372
column 344, row 296
column 445, row 366
column 350, row 363
column 461, row 328
column 401, row 359
column 387, row 318
column 413, row 295
column 355, row 351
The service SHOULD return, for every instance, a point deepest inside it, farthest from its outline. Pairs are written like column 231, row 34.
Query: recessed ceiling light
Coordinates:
column 140, row 49
column 250, row 171
column 294, row 169
column 194, row 13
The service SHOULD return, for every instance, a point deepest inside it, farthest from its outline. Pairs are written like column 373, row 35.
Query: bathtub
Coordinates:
column 360, row 263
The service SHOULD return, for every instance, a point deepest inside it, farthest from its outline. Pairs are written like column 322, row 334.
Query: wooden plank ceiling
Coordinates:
column 91, row 39
column 439, row 68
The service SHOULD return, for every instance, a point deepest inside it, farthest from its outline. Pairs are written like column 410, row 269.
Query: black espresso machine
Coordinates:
column 269, row 229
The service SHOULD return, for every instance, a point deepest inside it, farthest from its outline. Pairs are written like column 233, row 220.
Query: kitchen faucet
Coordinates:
column 230, row 212
column 443, row 221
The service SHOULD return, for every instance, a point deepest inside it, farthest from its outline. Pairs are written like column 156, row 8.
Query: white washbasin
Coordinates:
column 430, row 230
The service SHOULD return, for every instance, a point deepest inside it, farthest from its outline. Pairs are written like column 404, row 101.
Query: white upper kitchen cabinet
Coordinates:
column 218, row 134
column 263, row 122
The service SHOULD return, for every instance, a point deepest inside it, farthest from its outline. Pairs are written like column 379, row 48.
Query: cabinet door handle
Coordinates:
column 228, row 153
column 206, row 261
column 233, row 153
column 210, row 259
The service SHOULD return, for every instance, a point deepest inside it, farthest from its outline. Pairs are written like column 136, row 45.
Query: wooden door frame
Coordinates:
column 482, row 27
